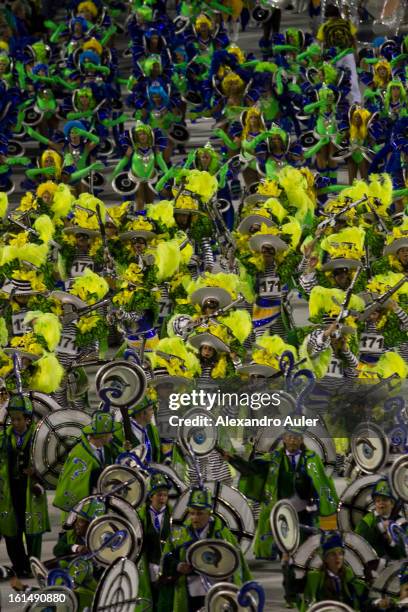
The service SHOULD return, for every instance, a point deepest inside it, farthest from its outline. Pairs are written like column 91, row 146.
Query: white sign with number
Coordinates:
column 67, row 345
column 372, row 343
column 335, row 369
column 79, row 266
column 17, row 322
column 269, row 286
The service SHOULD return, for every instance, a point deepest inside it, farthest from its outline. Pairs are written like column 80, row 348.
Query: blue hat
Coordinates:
column 158, row 482
column 200, row 498
column 80, row 20
column 143, row 405
column 330, row 540
column 39, row 67
column 91, row 56
column 382, row 487
column 70, row 125
column 101, row 423
column 20, row 403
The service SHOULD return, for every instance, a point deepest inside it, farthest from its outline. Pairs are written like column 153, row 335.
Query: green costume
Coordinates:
column 270, row 478
column 370, row 528
column 153, row 544
column 320, row 587
column 175, row 552
column 80, row 473
column 12, row 461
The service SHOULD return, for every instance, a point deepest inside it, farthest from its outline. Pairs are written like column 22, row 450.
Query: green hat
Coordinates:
column 91, row 509
column 329, row 541
column 158, row 482
column 382, row 487
column 143, row 405
column 200, row 498
column 20, row 403
column 295, row 429
column 102, row 423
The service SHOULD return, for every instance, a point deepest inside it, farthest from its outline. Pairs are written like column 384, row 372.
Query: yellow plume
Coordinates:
column 167, row 257
column 47, row 325
column 3, row 204
column 271, row 348
column 3, row 332
column 348, row 243
column 325, row 300
column 62, row 202
column 48, row 374
column 381, row 187
column 184, row 363
column 201, row 183
column 90, row 287
column 45, row 227
column 240, row 324
column 162, row 212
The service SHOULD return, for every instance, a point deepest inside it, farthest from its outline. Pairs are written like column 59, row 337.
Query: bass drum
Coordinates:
column 42, row 403
column 53, row 438
column 98, row 180
column 113, row 505
column 14, row 149
column 177, row 485
column 178, row 133
column 124, row 184
column 32, row 117
column 106, row 148
column 229, row 505
column 117, row 588
column 358, row 553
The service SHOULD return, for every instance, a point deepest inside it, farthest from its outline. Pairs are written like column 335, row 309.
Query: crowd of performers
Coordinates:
column 239, row 260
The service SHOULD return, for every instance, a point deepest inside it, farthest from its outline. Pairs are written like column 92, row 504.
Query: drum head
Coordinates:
column 200, row 438
column 341, row 154
column 98, row 180
column 387, row 583
column 369, row 446
column 124, row 482
column 43, row 404
column 357, row 554
column 399, row 478
column 355, row 501
column 113, row 505
column 229, row 505
column 14, row 149
column 111, row 537
column 32, row 117
column 124, row 184
column 261, row 14
column 193, row 97
column 223, row 597
column 39, row 571
column 285, row 528
column 180, row 24
column 67, row 600
column 179, row 133
column 214, row 558
column 329, row 606
column 308, row 140
column 117, row 588
column 128, row 377
column 53, row 438
column 106, row 147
